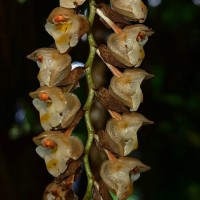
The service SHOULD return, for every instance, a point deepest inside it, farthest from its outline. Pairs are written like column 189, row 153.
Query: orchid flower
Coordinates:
column 127, row 46
column 126, row 88
column 57, row 109
column 66, row 27
column 56, row 149
column 119, row 175
column 54, row 67
column 134, row 10
column 124, row 132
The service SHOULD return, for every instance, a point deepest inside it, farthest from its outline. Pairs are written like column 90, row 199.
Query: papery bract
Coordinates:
column 127, row 46
column 58, row 192
column 55, row 107
column 127, row 87
column 120, row 174
column 57, row 155
column 124, row 132
column 54, row 67
column 134, row 10
column 66, row 27
column 71, row 3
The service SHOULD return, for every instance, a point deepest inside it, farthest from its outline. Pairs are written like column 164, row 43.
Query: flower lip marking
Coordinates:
column 40, row 58
column 140, row 36
column 43, row 96
column 58, row 19
column 49, row 143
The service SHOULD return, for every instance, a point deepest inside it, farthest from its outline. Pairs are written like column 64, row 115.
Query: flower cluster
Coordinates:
column 124, row 49
column 60, row 109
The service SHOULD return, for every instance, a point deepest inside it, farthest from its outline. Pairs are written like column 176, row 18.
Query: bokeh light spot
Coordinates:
column 154, row 3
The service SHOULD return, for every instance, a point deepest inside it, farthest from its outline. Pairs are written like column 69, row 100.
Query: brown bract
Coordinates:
column 72, row 78
column 120, row 174
column 110, row 102
column 108, row 57
column 134, row 10
column 101, row 192
column 117, row 18
column 54, row 67
column 66, row 27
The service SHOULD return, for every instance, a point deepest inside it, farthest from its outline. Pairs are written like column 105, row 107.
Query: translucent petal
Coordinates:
column 117, row 175
column 124, row 132
column 68, row 31
column 127, row 46
column 127, row 87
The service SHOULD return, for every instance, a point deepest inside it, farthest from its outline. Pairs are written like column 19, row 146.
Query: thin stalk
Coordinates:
column 89, row 101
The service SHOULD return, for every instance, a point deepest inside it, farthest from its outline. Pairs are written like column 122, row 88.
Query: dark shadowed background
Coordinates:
column 171, row 146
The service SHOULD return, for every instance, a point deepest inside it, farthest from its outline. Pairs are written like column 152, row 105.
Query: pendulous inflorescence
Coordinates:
column 60, row 109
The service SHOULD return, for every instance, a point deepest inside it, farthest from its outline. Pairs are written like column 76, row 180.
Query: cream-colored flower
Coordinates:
column 71, row 3
column 126, row 88
column 134, row 10
column 54, row 67
column 66, row 27
column 57, row 109
column 127, row 46
column 56, row 149
column 120, row 174
column 124, row 132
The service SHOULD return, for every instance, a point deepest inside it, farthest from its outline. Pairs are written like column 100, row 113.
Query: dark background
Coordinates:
column 171, row 146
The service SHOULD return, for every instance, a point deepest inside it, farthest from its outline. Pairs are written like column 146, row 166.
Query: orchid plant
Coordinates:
column 60, row 109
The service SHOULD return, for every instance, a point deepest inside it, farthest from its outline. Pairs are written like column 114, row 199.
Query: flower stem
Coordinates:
column 89, row 101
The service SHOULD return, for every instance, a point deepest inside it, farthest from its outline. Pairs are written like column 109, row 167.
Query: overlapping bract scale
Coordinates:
column 59, row 191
